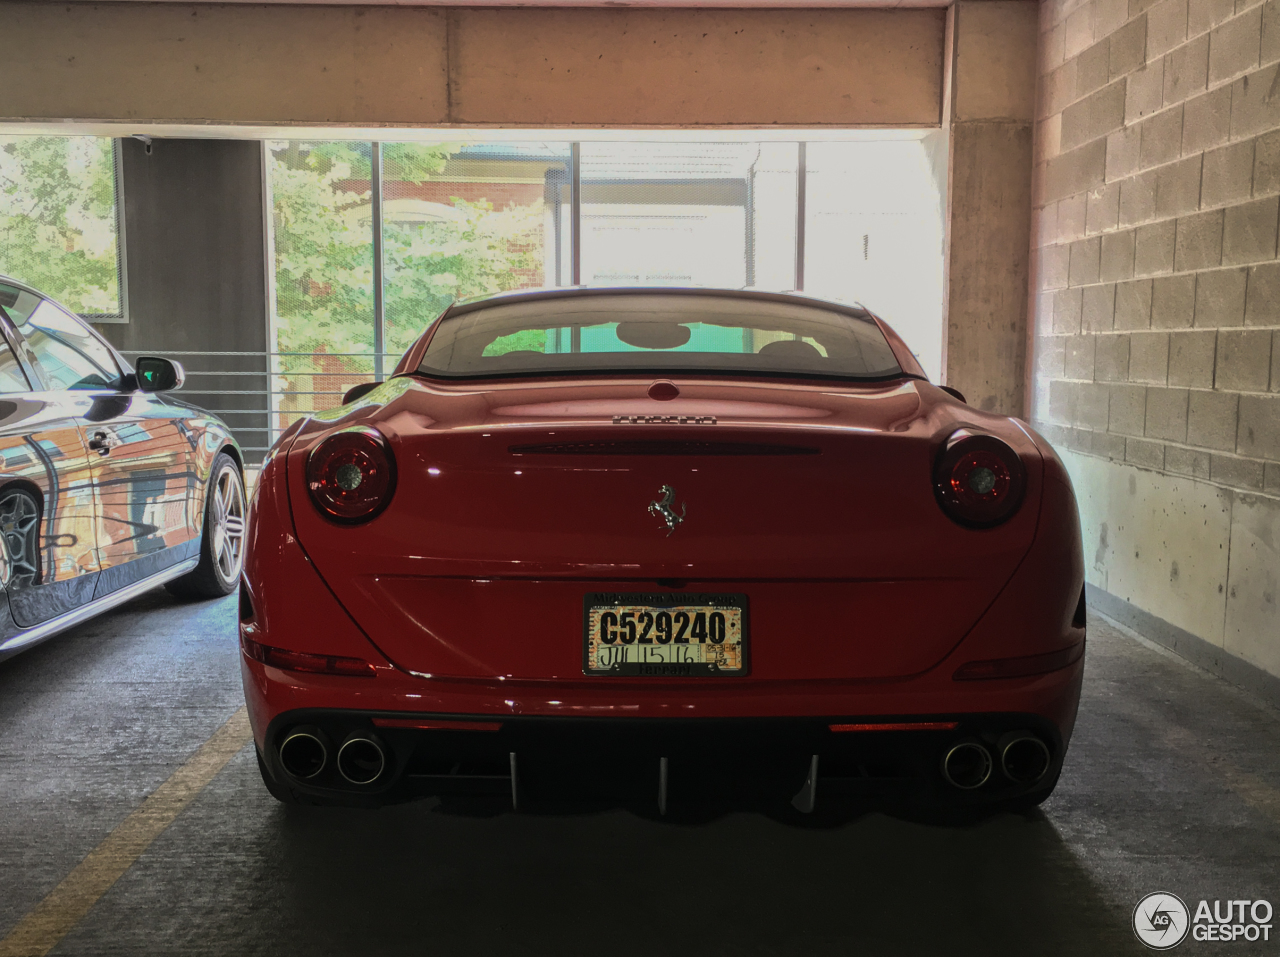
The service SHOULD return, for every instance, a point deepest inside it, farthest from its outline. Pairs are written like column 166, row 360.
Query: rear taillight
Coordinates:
column 310, row 664
column 978, row 479
column 351, row 475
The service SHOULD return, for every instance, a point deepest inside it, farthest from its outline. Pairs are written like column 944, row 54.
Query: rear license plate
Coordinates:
column 664, row 635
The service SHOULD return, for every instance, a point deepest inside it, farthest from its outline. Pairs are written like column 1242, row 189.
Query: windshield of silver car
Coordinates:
column 657, row 333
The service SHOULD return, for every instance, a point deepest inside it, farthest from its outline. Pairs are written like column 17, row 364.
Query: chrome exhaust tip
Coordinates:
column 362, row 759
column 304, row 752
column 1024, row 758
column 967, row 765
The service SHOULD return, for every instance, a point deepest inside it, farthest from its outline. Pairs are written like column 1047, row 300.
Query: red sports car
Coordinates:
column 662, row 546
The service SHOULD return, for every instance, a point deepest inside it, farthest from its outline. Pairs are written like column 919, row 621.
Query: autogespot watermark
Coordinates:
column 1162, row 921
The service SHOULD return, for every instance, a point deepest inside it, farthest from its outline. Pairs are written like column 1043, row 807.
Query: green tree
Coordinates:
column 58, row 219
column 323, row 248
column 323, row 218
column 323, row 257
column 478, row 251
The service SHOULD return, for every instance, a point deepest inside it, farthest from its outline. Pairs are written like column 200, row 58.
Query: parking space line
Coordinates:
column 50, row 920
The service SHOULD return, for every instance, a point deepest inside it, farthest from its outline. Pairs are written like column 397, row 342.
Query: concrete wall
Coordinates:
column 436, row 66
column 990, row 106
column 1157, row 302
column 195, row 255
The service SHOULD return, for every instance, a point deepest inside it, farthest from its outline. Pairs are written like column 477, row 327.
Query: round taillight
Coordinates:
column 978, row 479
column 351, row 475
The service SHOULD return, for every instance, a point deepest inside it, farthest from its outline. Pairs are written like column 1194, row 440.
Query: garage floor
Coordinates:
column 1172, row 783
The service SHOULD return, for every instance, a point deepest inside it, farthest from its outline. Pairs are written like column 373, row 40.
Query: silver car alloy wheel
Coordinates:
column 226, row 524
column 19, row 524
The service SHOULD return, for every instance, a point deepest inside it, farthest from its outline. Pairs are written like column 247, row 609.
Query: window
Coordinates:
column 12, row 378
column 658, row 333
column 678, row 214
column 59, row 225
column 17, row 304
column 458, row 220
column 873, row 234
column 463, row 220
column 857, row 220
column 70, row 356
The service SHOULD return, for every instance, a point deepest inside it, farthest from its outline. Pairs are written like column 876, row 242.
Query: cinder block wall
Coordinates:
column 1156, row 301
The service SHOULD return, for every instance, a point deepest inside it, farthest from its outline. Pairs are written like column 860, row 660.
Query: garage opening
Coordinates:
column 368, row 241
column 372, row 240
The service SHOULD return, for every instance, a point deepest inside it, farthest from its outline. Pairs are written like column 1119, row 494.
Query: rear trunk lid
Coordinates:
column 514, row 501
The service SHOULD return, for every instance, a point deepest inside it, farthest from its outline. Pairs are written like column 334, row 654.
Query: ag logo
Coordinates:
column 1161, row 920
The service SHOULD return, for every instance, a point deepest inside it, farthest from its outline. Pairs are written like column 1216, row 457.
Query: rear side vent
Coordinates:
column 660, row 448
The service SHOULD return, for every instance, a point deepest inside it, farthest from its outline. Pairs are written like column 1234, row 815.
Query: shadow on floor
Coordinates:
column 618, row 884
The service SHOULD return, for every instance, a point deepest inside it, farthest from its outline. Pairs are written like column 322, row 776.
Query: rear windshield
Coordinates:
column 657, row 334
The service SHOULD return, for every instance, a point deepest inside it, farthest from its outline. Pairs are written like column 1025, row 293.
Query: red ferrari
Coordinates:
column 662, row 547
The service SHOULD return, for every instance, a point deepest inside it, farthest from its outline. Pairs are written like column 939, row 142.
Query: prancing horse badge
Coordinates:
column 662, row 507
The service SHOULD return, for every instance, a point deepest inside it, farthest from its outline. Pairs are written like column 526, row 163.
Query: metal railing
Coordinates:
column 259, row 394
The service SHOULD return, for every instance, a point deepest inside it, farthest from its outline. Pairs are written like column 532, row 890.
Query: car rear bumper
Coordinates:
column 1053, row 696
column 743, row 745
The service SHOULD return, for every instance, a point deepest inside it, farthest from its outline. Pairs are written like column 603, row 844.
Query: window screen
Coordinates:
column 59, row 220
column 716, row 214
column 873, row 234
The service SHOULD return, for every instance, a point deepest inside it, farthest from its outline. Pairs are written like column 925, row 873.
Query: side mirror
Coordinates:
column 359, row 391
column 954, row 393
column 159, row 375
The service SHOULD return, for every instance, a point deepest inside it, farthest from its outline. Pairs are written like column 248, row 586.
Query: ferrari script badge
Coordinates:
column 662, row 508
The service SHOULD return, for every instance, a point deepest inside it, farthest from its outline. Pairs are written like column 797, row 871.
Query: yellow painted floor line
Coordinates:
column 51, row 919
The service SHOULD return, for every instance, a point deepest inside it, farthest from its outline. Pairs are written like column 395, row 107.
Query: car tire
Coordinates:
column 222, row 538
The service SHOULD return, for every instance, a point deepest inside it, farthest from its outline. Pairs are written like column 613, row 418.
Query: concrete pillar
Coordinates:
column 195, row 260
column 989, row 108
